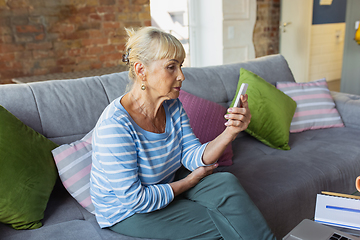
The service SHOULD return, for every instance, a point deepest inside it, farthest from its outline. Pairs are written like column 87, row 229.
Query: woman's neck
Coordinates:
column 145, row 103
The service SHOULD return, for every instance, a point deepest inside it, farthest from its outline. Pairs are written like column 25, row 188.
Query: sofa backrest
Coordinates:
column 65, row 110
column 218, row 83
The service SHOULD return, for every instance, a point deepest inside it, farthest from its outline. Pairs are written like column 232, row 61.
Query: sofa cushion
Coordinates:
column 218, row 83
column 74, row 165
column 27, row 173
column 71, row 230
column 315, row 105
column 271, row 111
column 281, row 182
column 207, row 121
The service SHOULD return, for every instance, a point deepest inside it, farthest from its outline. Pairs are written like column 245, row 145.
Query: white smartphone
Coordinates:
column 242, row 91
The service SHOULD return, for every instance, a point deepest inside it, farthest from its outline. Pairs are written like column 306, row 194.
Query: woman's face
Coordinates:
column 164, row 78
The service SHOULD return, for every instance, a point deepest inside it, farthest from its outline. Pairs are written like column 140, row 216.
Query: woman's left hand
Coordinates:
column 238, row 118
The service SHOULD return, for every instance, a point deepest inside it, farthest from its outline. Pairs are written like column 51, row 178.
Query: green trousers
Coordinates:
column 216, row 208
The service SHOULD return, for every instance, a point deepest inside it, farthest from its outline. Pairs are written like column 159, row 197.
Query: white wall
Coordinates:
column 160, row 17
column 350, row 78
column 326, row 51
column 205, row 23
column 221, row 31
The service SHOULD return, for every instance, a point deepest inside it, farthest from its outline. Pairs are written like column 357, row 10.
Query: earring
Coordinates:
column 143, row 87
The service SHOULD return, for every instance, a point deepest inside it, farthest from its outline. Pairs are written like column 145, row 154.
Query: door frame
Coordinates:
column 300, row 71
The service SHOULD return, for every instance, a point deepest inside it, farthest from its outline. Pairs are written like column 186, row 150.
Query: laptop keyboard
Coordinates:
column 336, row 236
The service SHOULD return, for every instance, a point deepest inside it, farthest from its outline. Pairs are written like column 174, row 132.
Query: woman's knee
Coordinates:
column 226, row 178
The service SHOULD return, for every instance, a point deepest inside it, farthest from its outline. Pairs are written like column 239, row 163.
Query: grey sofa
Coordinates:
column 283, row 184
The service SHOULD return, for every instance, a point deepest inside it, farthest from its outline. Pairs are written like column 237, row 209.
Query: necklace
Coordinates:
column 143, row 113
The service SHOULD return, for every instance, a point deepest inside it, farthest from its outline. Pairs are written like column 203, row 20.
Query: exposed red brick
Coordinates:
column 41, row 37
column 112, row 25
column 39, row 46
column 89, row 25
column 6, row 39
column 96, row 65
column 106, row 9
column 95, row 33
column 74, row 52
column 3, row 66
column 3, row 3
column 18, row 3
column 40, row 71
column 41, row 54
column 141, row 2
column 6, row 48
column 94, row 50
column 64, row 45
column 63, row 28
column 19, row 11
column 56, row 69
column 9, row 74
column 95, row 16
column 76, row 35
column 24, row 55
column 110, row 57
column 82, row 67
column 30, row 29
column 86, row 10
column 46, row 63
column 107, row 2
column 266, row 30
column 120, row 47
column 95, row 41
column 14, row 65
column 109, row 48
column 109, row 17
column 7, row 57
column 66, row 61
column 111, row 64
column 87, row 59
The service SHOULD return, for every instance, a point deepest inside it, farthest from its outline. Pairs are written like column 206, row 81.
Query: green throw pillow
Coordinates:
column 271, row 111
column 27, row 173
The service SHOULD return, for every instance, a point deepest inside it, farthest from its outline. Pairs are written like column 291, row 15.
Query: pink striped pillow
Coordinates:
column 315, row 106
column 207, row 121
column 73, row 162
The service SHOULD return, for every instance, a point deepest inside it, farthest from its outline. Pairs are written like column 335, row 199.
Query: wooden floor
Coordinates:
column 334, row 85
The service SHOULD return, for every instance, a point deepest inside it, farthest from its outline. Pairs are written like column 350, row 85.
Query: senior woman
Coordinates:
column 143, row 138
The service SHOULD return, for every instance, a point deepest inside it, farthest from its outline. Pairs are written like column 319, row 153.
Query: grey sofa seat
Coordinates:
column 283, row 184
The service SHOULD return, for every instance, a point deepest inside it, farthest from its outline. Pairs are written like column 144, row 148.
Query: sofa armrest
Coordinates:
column 348, row 106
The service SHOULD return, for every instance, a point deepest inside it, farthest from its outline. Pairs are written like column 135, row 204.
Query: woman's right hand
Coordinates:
column 194, row 177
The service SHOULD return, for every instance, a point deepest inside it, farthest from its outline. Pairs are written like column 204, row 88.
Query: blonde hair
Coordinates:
column 150, row 44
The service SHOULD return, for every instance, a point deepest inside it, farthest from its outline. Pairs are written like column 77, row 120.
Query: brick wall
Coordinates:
column 39, row 37
column 266, row 30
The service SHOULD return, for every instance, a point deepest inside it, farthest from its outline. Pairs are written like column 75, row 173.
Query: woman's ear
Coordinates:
column 139, row 69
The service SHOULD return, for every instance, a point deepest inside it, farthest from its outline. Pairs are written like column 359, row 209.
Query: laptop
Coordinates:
column 310, row 230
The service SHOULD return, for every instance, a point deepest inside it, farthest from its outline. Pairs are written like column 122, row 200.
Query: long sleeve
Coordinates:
column 192, row 149
column 115, row 158
column 132, row 168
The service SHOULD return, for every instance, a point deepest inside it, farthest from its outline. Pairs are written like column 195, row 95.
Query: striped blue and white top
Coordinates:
column 131, row 167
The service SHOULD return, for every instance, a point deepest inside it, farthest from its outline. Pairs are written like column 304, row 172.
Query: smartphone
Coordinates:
column 242, row 91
